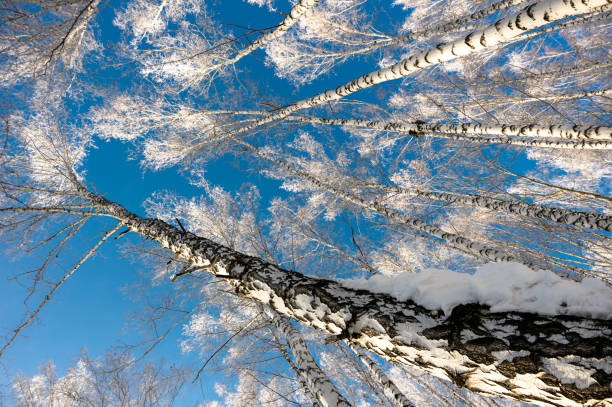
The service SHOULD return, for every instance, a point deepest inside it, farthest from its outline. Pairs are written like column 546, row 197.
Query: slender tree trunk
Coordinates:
column 441, row 29
column 563, row 72
column 294, row 15
column 554, row 97
column 458, row 242
column 450, row 26
column 298, row 374
column 504, row 30
column 381, row 376
column 527, row 130
column 408, row 333
column 319, row 384
column 559, row 215
column 533, row 142
column 446, row 28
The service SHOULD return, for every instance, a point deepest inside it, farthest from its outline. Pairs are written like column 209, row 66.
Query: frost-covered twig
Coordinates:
column 57, row 285
column 504, row 30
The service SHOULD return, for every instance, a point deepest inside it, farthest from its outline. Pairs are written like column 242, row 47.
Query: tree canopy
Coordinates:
column 336, row 202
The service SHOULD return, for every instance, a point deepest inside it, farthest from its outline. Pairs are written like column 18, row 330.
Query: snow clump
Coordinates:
column 503, row 286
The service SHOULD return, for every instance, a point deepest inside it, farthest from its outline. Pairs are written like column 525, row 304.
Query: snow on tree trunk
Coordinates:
column 561, row 360
column 527, row 130
column 559, row 215
column 318, row 382
column 502, row 31
column 382, row 377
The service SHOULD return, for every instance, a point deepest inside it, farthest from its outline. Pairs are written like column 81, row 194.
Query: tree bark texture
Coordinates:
column 502, row 31
column 294, row 15
column 553, row 214
column 381, row 376
column 527, row 130
column 504, row 354
column 318, row 382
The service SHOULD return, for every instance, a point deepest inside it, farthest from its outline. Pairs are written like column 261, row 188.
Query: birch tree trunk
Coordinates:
column 319, row 384
column 444, row 28
column 527, row 130
column 282, row 349
column 452, row 25
column 458, row 242
column 537, row 143
column 504, row 30
column 294, row 15
column 448, row 27
column 384, row 380
column 559, row 215
column 502, row 354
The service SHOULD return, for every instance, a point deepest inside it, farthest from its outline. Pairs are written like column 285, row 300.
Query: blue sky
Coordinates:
column 91, row 310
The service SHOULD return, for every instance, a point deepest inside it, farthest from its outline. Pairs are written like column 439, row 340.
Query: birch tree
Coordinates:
column 342, row 314
column 452, row 153
column 45, row 39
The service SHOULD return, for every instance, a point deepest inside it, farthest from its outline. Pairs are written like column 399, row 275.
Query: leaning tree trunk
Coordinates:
column 501, row 354
column 294, row 15
column 437, row 30
column 553, row 214
column 502, row 31
column 381, row 376
column 298, row 375
column 318, row 383
column 527, row 130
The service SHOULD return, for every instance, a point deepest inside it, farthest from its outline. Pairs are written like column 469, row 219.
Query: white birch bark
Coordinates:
column 318, row 382
column 405, row 332
column 554, row 214
column 504, row 30
column 521, row 100
column 294, row 15
column 440, row 29
column 528, row 130
column 298, row 375
column 457, row 23
column 381, row 376
column 557, row 143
